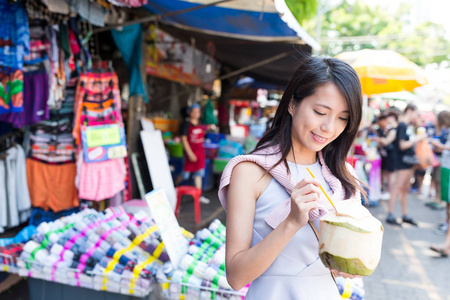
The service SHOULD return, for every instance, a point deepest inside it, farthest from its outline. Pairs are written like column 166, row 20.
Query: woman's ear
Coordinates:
column 291, row 107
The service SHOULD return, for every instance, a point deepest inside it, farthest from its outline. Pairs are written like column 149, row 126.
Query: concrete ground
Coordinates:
column 408, row 270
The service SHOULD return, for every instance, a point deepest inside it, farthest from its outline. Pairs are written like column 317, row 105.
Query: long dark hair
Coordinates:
column 312, row 73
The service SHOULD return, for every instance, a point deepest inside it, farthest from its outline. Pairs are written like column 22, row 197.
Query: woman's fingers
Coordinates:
column 306, row 189
column 307, row 181
column 308, row 206
column 305, row 198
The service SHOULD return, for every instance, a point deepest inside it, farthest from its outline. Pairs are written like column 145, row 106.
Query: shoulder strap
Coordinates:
column 316, row 233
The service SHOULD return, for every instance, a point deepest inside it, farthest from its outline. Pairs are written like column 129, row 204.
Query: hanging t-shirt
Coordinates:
column 195, row 136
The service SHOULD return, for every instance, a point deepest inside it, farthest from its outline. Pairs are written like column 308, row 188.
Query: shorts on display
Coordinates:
column 52, row 186
column 101, row 180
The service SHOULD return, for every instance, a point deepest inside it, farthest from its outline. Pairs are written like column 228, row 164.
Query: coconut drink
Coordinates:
column 350, row 240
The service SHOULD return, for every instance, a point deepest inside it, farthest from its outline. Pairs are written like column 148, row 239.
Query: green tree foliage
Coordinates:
column 302, row 9
column 357, row 26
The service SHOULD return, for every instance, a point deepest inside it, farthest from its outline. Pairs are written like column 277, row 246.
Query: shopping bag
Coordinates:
column 424, row 154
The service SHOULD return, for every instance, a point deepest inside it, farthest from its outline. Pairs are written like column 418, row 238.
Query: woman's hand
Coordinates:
column 304, row 198
column 337, row 273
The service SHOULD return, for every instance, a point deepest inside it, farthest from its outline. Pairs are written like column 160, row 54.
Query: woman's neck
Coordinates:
column 193, row 121
column 302, row 156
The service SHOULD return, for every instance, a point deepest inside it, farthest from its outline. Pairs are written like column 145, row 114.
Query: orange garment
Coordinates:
column 52, row 186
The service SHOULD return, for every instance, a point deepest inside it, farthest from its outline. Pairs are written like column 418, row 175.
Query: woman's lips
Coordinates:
column 318, row 138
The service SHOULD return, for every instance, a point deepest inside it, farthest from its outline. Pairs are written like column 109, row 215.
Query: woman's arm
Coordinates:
column 384, row 141
column 243, row 262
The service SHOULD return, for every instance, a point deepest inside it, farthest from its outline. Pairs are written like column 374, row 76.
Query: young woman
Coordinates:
column 270, row 196
column 404, row 170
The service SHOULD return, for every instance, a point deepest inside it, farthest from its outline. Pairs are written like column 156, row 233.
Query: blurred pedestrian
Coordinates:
column 441, row 173
column 387, row 132
column 192, row 137
column 404, row 146
column 444, row 250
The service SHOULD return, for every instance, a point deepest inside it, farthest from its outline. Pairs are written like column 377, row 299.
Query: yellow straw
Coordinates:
column 326, row 195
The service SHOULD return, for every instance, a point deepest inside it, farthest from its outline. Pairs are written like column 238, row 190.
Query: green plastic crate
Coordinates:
column 219, row 164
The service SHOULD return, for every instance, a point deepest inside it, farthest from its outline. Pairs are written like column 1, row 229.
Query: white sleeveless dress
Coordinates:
column 297, row 273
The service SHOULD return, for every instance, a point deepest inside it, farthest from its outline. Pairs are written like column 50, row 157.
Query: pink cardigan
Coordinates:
column 266, row 159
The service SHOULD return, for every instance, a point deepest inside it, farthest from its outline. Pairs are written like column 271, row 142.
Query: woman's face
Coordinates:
column 319, row 119
column 195, row 113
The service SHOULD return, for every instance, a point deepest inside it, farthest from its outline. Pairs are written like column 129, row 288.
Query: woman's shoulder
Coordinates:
column 250, row 175
column 248, row 168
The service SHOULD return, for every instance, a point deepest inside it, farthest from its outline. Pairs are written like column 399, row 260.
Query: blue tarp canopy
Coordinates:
column 240, row 33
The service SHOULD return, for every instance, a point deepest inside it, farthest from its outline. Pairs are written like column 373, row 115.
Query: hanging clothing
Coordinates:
column 89, row 11
column 11, row 91
column 100, row 180
column 129, row 42
column 35, row 95
column 14, row 197
column 52, row 186
column 15, row 36
column 129, row 3
column 97, row 96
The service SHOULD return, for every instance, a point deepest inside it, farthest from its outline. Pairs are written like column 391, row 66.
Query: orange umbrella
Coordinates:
column 384, row 71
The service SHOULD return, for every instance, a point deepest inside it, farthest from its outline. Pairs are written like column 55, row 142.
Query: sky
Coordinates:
column 437, row 11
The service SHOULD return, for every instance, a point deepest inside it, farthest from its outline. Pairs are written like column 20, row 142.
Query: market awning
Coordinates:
column 240, row 33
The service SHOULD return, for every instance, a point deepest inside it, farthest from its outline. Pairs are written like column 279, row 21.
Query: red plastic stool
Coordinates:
column 195, row 193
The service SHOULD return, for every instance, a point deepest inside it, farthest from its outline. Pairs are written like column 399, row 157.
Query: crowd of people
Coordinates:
column 409, row 148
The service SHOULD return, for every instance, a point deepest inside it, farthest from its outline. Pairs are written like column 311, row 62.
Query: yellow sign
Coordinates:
column 102, row 136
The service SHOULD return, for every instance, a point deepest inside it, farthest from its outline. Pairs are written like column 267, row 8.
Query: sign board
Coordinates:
column 103, row 142
column 158, row 164
column 171, row 234
column 175, row 60
column 147, row 124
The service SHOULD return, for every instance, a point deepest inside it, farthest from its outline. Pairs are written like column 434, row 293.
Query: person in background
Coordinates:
column 419, row 173
column 440, row 144
column 387, row 132
column 404, row 146
column 192, row 137
column 444, row 250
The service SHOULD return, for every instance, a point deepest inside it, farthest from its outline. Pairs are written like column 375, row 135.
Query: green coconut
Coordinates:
column 350, row 265
column 351, row 240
